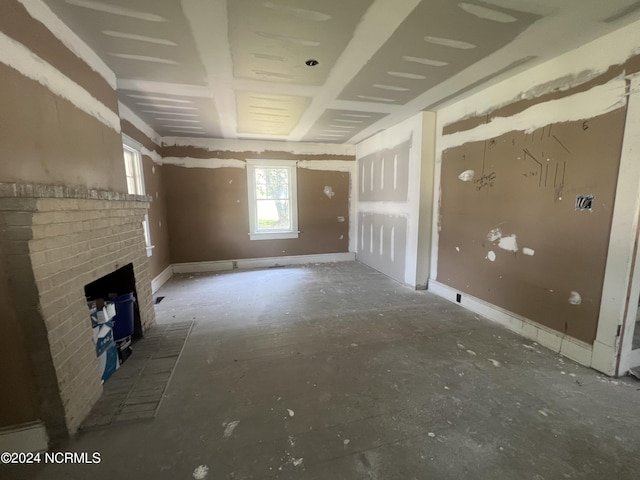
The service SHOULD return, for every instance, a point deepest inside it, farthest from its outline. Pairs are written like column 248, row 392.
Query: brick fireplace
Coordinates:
column 54, row 241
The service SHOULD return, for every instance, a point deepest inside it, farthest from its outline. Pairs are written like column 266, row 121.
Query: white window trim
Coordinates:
column 291, row 165
column 135, row 147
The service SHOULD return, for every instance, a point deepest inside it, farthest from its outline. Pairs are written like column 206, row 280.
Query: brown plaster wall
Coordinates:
column 46, row 139
column 208, row 216
column 154, row 187
column 631, row 66
column 526, row 185
column 202, row 153
column 18, row 403
column 16, row 22
column 157, row 214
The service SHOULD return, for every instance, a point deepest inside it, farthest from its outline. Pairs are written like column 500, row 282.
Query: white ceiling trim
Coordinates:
column 377, row 25
column 209, row 24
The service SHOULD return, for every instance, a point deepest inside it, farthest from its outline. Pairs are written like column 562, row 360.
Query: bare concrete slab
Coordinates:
column 337, row 372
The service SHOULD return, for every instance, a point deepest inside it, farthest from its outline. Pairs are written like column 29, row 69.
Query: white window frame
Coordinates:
column 129, row 145
column 273, row 234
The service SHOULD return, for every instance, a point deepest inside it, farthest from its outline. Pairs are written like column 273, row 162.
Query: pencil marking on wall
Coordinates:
column 528, row 154
column 561, row 144
column 485, row 181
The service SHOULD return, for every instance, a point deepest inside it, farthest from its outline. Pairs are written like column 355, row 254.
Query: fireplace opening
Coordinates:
column 116, row 284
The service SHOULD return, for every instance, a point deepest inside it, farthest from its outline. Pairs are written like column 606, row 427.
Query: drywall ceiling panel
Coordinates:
column 338, row 126
column 270, row 41
column 174, row 115
column 439, row 39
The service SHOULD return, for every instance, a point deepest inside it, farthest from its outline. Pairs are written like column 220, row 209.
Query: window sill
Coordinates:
column 273, row 235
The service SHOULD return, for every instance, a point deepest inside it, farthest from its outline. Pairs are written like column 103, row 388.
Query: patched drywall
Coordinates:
column 208, row 215
column 154, row 187
column 395, row 177
column 47, row 139
column 511, row 233
column 384, row 174
column 382, row 241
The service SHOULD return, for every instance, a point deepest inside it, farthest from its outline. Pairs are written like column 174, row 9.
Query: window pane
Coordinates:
column 273, row 214
column 272, row 183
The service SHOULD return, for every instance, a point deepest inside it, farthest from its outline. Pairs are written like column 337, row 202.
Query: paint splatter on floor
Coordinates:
column 291, row 412
column 495, row 363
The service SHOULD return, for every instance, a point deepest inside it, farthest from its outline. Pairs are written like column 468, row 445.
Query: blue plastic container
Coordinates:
column 123, row 321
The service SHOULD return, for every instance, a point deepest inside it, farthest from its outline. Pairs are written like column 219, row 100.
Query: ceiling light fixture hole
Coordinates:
column 311, row 62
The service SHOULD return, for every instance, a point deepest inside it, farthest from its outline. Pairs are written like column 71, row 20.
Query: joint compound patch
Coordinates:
column 491, row 256
column 494, row 235
column 509, row 243
column 230, row 427
column 529, row 251
column 328, row 191
column 201, row 472
column 467, row 175
column 575, row 298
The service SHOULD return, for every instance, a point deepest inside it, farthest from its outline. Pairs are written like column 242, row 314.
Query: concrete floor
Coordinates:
column 337, row 372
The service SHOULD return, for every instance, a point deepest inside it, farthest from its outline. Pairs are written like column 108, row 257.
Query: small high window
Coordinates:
column 273, row 203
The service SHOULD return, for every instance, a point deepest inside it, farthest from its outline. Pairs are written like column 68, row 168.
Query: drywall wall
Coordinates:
column 63, row 126
column 510, row 231
column 207, row 201
column 511, row 163
column 153, row 172
column 394, row 183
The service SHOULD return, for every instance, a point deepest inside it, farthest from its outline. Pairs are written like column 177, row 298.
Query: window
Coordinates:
column 133, row 170
column 135, row 180
column 273, row 204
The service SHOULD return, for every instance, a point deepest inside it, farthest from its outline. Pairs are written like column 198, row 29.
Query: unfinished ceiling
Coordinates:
column 238, row 69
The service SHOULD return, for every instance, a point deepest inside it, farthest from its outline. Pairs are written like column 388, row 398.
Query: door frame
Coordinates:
column 612, row 353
